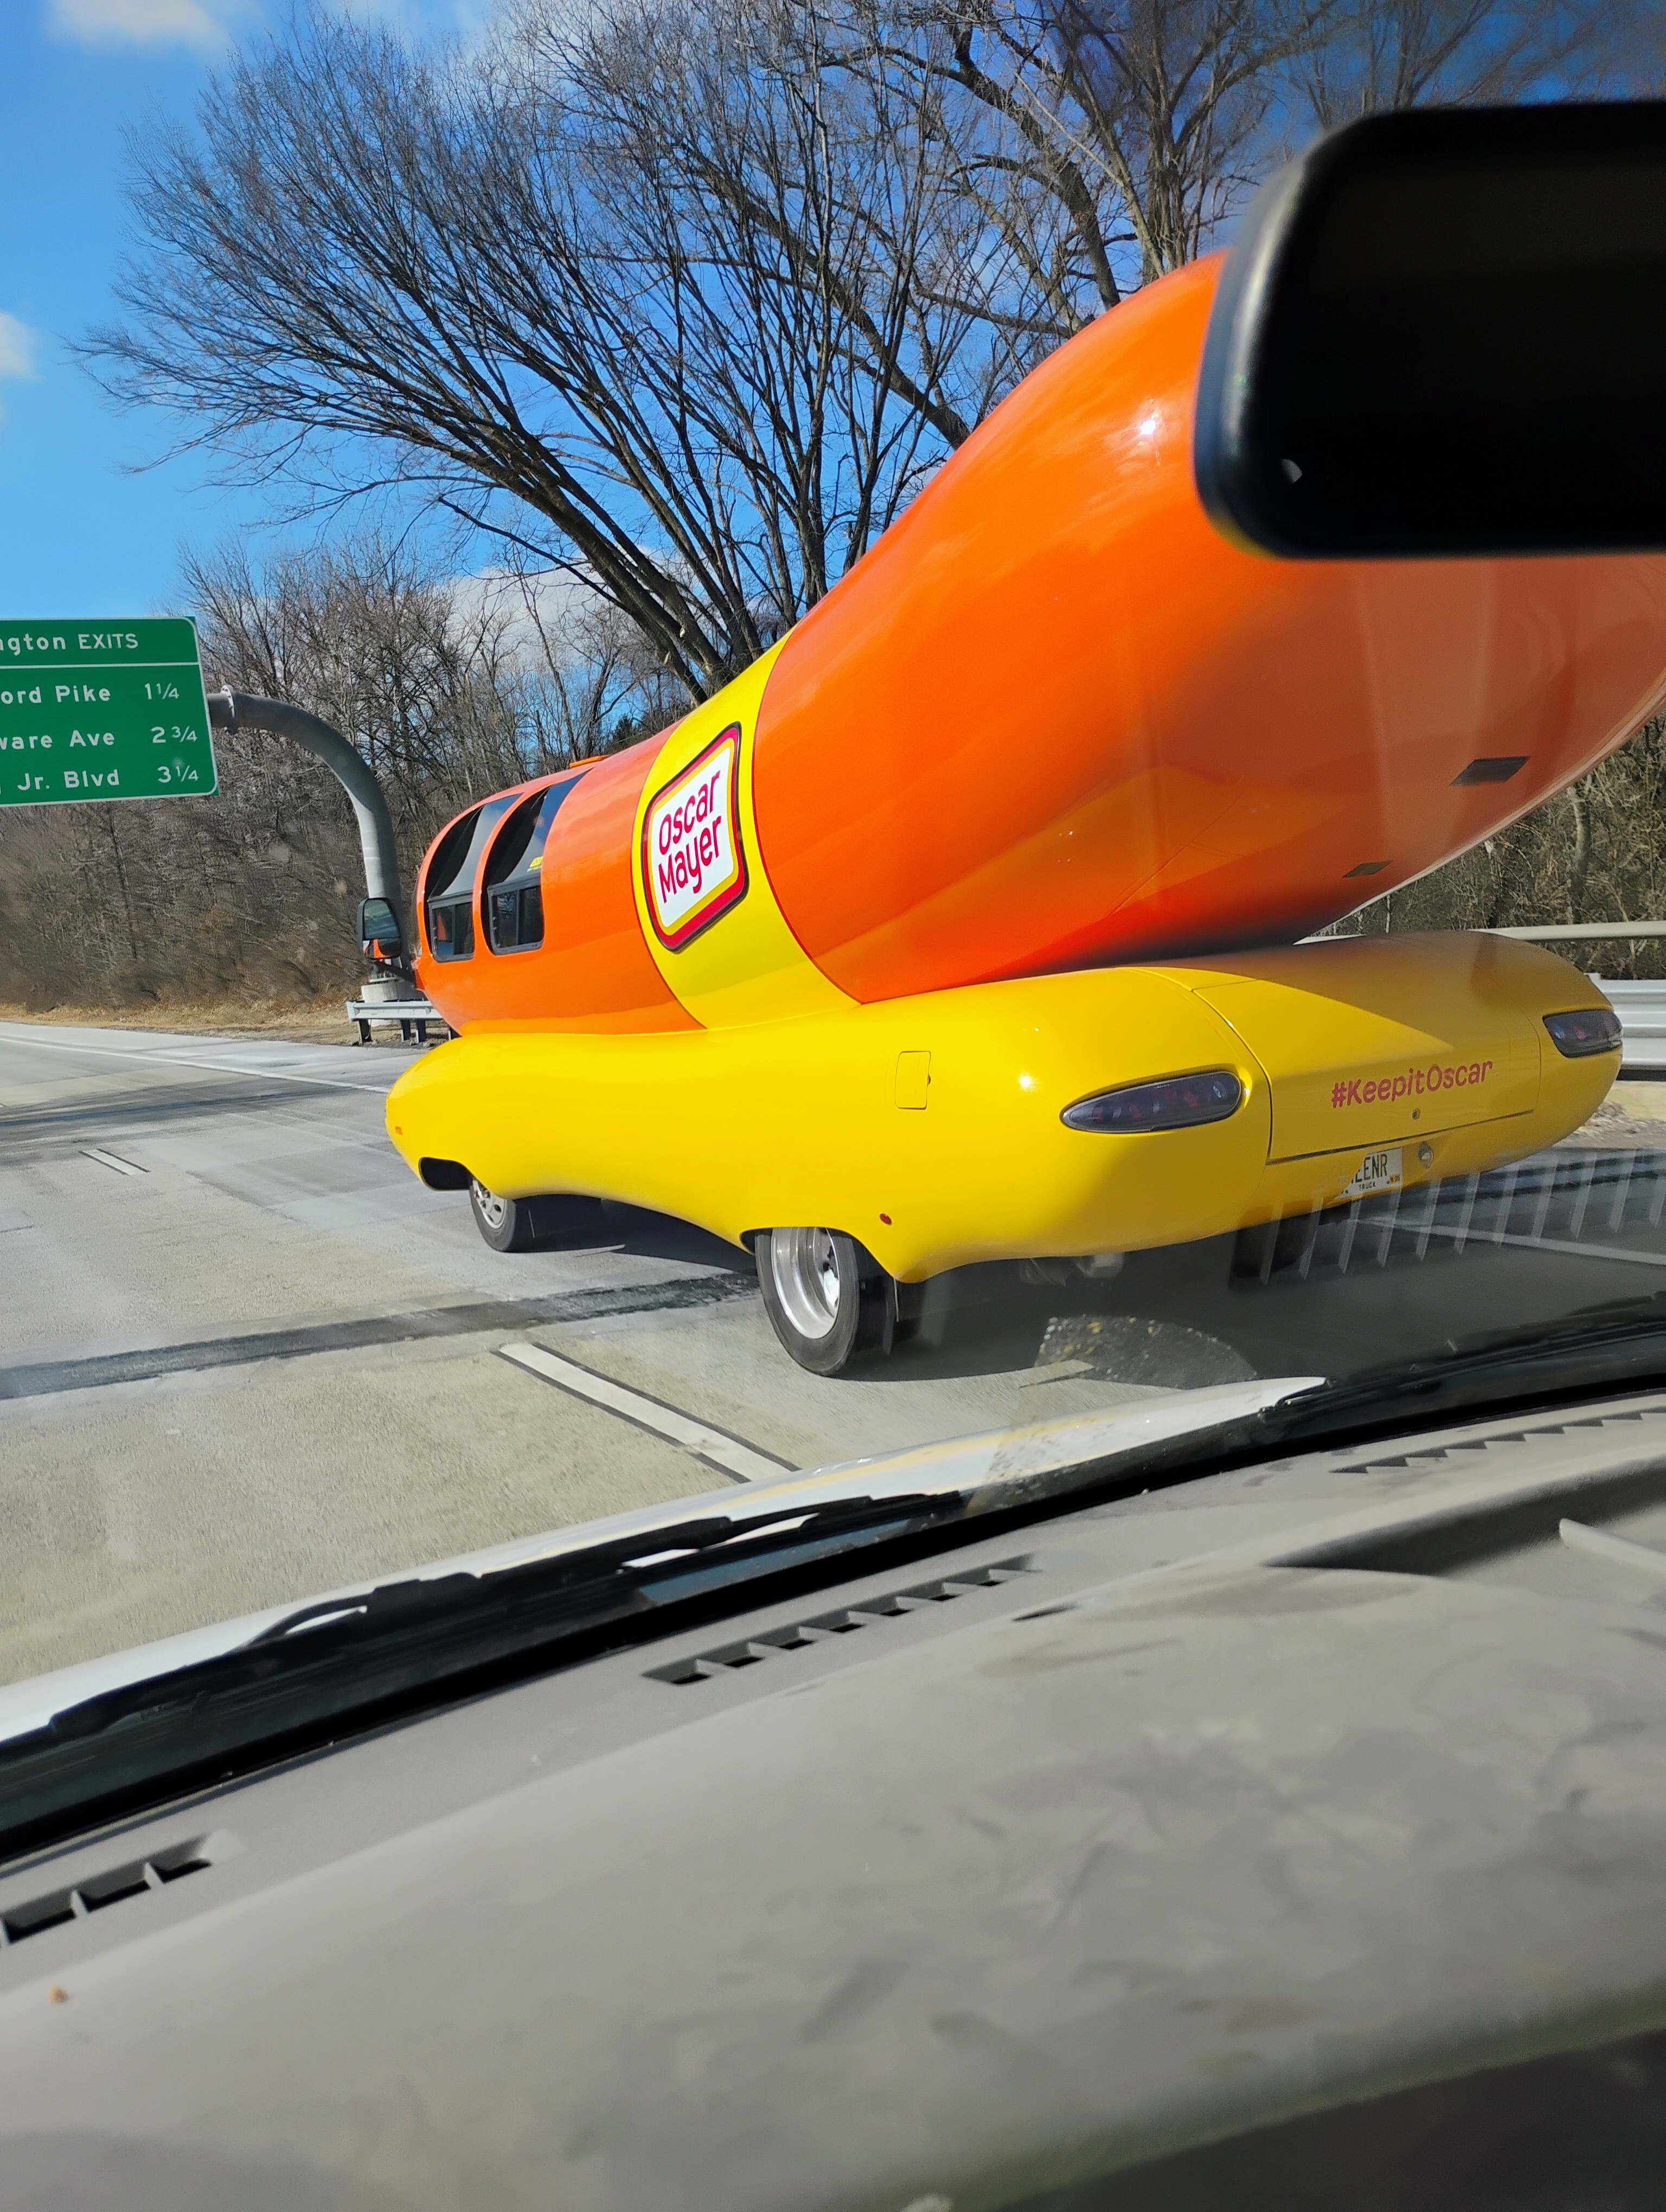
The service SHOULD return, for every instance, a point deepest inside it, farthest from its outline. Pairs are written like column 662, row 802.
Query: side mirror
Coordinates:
column 1443, row 333
column 381, row 936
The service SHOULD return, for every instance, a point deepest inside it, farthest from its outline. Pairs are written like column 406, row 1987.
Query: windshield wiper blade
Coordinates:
column 1619, row 1347
column 307, row 1675
column 359, row 1658
column 158, row 1726
column 356, row 1660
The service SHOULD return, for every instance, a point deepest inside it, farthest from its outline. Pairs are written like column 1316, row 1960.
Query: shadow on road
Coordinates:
column 1410, row 1275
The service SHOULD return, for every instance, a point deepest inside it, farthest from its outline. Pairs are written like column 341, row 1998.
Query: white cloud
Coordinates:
column 17, row 345
column 543, row 616
column 469, row 22
column 210, row 23
column 139, row 22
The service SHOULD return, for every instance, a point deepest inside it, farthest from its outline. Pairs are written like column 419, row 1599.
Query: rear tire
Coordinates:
column 523, row 1225
column 827, row 1299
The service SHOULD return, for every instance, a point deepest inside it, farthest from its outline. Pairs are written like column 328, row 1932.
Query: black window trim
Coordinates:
column 523, row 878
column 465, row 884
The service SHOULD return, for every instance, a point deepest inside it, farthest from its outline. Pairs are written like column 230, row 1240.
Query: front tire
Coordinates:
column 827, row 1298
column 523, row 1225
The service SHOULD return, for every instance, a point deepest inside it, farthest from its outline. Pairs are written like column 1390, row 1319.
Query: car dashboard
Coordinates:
column 1306, row 1806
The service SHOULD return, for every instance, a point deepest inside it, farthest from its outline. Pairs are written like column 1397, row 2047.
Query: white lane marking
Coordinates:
column 178, row 1060
column 1547, row 1244
column 109, row 1160
column 741, row 1461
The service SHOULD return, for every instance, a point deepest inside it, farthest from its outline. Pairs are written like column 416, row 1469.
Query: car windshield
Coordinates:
column 727, row 863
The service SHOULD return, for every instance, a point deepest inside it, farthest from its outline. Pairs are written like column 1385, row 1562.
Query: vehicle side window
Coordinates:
column 451, row 928
column 513, row 899
column 450, row 886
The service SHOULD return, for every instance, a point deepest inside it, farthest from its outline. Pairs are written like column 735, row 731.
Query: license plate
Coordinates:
column 1377, row 1171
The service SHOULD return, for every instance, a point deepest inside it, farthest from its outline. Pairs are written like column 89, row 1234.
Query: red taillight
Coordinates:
column 1592, row 1029
column 1178, row 1101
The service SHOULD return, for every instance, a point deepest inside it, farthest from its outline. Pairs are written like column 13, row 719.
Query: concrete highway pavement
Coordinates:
column 244, row 1356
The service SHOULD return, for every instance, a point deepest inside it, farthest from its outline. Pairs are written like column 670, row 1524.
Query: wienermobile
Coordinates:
column 967, row 924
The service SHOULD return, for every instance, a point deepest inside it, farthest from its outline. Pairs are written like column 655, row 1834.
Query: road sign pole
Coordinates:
column 237, row 710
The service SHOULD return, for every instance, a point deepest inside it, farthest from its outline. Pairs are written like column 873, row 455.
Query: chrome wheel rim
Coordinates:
column 805, row 1268
column 493, row 1210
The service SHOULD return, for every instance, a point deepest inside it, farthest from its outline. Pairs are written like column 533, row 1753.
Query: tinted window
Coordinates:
column 451, row 928
column 451, row 854
column 451, row 881
column 513, row 902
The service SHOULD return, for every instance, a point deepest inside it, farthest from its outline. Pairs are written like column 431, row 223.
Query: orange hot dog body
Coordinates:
column 1053, row 719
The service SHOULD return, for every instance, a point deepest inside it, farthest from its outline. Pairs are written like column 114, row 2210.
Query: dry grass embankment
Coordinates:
column 305, row 1021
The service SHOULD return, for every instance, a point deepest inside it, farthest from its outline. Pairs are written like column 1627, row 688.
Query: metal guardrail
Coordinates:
column 409, row 1013
column 1641, row 1007
column 1590, row 932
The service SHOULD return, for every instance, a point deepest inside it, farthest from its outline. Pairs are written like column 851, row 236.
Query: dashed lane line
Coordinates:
column 742, row 1462
column 109, row 1160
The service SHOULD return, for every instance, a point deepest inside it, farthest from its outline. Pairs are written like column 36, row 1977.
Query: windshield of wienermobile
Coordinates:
column 665, row 848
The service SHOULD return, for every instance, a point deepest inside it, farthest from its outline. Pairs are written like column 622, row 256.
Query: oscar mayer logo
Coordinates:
column 693, row 863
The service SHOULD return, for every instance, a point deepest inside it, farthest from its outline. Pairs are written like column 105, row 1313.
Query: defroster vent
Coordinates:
column 112, row 1886
column 820, row 1628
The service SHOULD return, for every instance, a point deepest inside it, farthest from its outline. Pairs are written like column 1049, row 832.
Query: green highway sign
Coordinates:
column 101, row 710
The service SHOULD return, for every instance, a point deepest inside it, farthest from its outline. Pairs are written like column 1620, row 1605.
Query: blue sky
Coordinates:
column 78, row 534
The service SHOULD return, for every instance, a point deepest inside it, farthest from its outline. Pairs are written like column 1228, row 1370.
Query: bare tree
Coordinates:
column 1594, row 852
column 424, row 683
column 685, row 298
column 639, row 298
column 1408, row 53
column 1106, row 141
column 680, row 300
column 785, row 215
column 1101, row 144
column 251, row 892
column 598, row 688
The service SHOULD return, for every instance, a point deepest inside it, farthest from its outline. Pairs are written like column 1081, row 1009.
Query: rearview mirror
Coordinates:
column 1443, row 332
column 381, row 936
